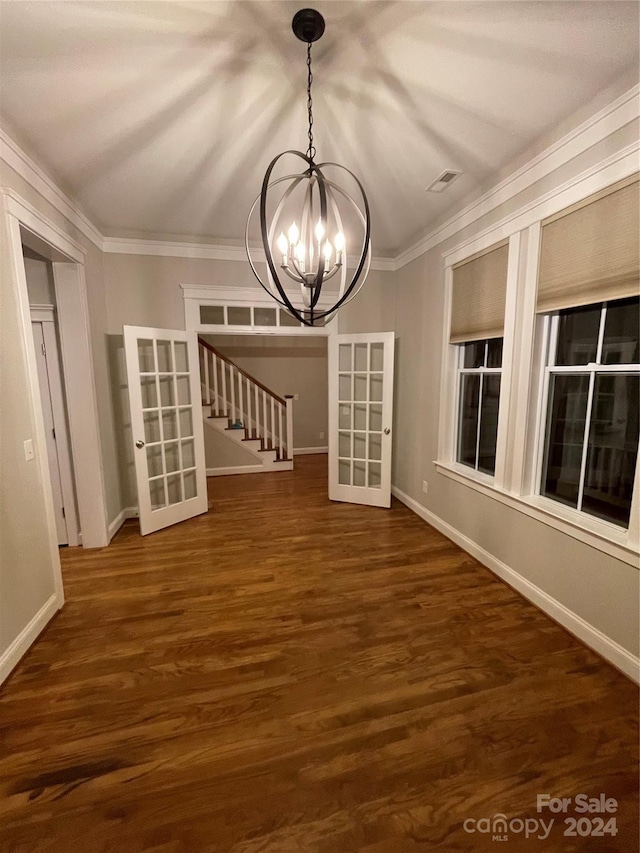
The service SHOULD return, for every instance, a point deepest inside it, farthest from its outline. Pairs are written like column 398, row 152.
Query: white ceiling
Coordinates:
column 161, row 117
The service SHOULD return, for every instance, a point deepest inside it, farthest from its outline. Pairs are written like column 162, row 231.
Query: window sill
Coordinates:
column 606, row 537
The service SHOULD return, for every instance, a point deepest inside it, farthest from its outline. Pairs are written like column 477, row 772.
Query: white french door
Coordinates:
column 166, row 425
column 360, row 416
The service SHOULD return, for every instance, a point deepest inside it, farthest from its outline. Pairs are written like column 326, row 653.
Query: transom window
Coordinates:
column 247, row 316
column 479, row 375
column 591, row 386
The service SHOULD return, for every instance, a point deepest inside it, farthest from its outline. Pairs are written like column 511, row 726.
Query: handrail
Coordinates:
column 251, row 378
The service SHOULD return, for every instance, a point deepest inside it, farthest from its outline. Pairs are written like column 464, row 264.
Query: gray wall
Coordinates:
column 26, row 566
column 597, row 587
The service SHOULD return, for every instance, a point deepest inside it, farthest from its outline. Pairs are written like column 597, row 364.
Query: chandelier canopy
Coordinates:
column 304, row 220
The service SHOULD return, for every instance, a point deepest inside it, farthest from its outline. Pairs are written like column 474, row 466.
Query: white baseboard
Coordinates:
column 308, row 451
column 235, row 469
column 613, row 652
column 119, row 520
column 27, row 637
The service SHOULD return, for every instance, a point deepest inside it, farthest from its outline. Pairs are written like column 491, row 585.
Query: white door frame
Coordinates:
column 26, row 224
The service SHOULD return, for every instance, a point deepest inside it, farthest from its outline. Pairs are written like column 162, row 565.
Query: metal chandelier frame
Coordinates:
column 308, row 25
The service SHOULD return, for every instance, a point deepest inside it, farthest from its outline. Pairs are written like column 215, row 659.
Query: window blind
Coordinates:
column 590, row 251
column 479, row 289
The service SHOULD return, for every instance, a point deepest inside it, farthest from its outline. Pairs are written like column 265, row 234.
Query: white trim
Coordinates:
column 615, row 115
column 203, row 251
column 124, row 515
column 29, row 634
column 238, row 469
column 31, row 219
column 613, row 652
column 608, row 538
column 608, row 171
column 77, row 366
column 308, row 451
column 43, row 313
column 34, row 175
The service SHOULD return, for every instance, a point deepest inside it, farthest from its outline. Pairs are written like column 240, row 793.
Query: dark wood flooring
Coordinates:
column 288, row 675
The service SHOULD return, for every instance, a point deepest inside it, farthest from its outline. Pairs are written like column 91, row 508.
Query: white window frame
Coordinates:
column 483, row 371
column 592, row 370
column 526, row 338
column 196, row 296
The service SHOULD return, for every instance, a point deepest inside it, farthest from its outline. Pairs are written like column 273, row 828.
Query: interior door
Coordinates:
column 50, row 434
column 166, row 425
column 360, row 416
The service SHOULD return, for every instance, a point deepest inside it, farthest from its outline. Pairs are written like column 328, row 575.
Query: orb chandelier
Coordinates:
column 303, row 221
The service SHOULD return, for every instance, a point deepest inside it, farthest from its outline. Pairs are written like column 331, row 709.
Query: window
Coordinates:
column 479, row 373
column 592, row 384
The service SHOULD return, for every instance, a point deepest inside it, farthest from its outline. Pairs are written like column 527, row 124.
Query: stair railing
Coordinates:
column 244, row 401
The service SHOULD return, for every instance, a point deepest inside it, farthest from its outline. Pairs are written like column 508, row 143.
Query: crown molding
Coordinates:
column 602, row 124
column 37, row 178
column 205, row 251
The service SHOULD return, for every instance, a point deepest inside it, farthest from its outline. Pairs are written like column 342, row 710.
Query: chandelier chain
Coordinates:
column 311, row 151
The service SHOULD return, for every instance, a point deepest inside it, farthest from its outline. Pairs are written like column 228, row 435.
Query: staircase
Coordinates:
column 246, row 411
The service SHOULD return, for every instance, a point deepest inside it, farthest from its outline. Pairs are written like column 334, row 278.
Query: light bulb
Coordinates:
column 328, row 249
column 283, row 245
column 338, row 242
column 294, row 234
column 319, row 231
column 299, row 251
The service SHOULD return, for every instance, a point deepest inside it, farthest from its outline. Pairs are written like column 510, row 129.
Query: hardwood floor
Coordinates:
column 287, row 675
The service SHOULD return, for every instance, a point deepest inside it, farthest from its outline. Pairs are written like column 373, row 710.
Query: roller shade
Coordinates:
column 479, row 289
column 590, row 252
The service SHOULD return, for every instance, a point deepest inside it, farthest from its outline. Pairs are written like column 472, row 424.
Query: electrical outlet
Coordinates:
column 29, row 452
column 296, row 396
column 321, row 435
column 425, row 486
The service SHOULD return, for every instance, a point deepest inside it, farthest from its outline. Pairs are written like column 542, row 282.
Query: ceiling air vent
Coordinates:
column 443, row 181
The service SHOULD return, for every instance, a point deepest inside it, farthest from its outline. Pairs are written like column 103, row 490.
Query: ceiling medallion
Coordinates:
column 312, row 248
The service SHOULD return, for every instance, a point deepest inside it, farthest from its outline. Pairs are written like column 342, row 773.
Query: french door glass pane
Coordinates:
column 156, row 493
column 377, row 356
column 565, row 436
column 154, row 460
column 468, row 434
column 169, row 424
column 165, row 357
column 186, row 423
column 344, row 472
column 151, row 426
column 578, row 335
column 360, row 416
column 182, row 356
column 489, row 423
column 621, row 332
column 360, row 352
column 146, row 359
column 344, row 357
column 613, row 447
column 344, row 416
column 149, row 392
column 375, row 417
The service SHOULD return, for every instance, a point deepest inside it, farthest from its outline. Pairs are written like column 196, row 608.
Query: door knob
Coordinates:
column 139, row 443
column 387, row 431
